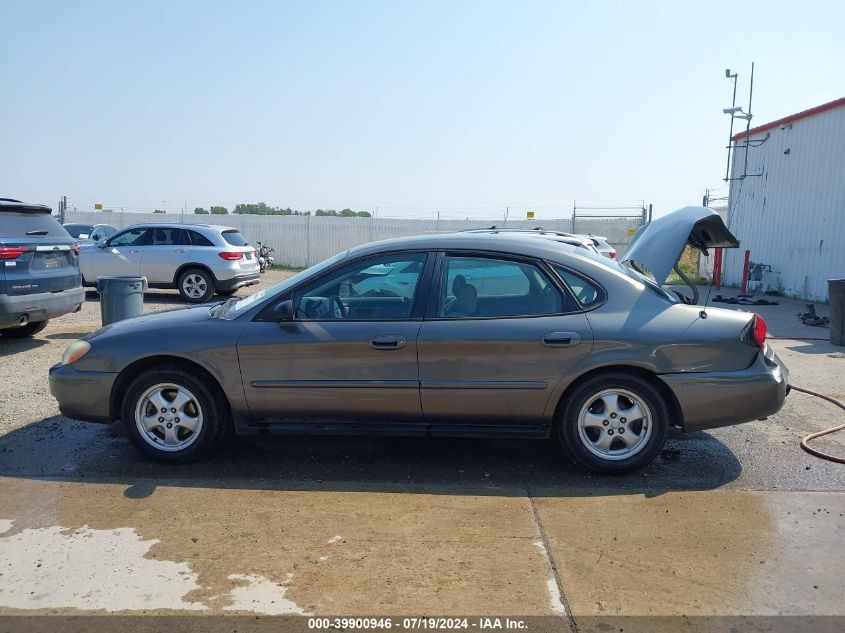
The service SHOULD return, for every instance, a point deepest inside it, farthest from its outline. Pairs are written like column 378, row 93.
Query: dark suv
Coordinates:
column 39, row 269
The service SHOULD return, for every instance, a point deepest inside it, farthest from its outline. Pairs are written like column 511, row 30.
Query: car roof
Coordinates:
column 10, row 204
column 175, row 225
column 512, row 243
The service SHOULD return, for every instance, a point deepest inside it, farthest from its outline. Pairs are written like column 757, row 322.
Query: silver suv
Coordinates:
column 199, row 260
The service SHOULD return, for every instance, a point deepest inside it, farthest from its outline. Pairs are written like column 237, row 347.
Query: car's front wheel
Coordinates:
column 196, row 285
column 614, row 423
column 24, row 331
column 171, row 416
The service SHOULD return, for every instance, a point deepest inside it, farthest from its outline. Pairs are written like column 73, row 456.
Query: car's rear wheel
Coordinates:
column 23, row 331
column 614, row 423
column 196, row 285
column 171, row 416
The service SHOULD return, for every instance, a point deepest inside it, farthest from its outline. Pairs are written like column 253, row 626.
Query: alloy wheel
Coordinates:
column 168, row 417
column 614, row 424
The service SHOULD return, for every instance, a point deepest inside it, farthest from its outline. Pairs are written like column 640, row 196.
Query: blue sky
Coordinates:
column 460, row 106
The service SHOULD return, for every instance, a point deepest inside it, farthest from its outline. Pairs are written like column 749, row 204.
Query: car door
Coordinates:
column 499, row 335
column 164, row 253
column 349, row 355
column 120, row 255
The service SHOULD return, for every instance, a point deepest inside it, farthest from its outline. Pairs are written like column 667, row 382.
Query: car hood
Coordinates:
column 658, row 245
column 155, row 320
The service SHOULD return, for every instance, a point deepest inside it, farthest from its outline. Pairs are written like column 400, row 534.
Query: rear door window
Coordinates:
column 167, row 236
column 491, row 287
column 235, row 238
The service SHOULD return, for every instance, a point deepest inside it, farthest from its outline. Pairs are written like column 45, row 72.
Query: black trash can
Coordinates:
column 121, row 297
column 836, row 292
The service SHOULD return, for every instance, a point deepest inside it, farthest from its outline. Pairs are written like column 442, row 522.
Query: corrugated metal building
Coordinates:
column 789, row 209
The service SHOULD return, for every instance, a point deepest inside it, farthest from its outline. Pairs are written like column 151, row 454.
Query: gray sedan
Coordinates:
column 487, row 335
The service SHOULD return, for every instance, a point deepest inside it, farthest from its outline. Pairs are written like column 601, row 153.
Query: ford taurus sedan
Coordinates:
column 478, row 334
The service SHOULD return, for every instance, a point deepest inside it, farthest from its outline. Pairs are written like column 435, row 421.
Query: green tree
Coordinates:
column 201, row 211
column 216, row 210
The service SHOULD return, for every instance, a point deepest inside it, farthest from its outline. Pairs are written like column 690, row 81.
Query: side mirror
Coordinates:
column 103, row 244
column 284, row 311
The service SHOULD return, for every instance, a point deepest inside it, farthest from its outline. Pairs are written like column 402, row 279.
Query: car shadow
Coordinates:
column 61, row 449
column 816, row 347
column 9, row 346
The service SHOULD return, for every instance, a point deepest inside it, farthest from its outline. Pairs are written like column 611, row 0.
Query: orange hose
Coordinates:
column 833, row 429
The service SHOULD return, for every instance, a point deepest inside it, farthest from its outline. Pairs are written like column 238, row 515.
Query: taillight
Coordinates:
column 758, row 330
column 12, row 252
column 612, row 255
column 231, row 256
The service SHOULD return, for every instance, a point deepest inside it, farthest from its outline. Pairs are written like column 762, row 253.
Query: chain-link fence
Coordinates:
column 305, row 240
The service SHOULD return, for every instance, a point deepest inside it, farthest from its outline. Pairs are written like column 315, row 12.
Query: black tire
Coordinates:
column 583, row 394
column 201, row 280
column 227, row 293
column 24, row 331
column 216, row 417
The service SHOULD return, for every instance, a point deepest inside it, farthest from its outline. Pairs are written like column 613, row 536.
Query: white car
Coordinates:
column 199, row 260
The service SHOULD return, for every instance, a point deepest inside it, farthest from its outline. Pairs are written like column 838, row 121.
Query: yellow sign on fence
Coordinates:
column 98, row 206
column 529, row 215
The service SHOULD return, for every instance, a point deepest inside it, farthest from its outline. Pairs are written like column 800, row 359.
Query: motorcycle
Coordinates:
column 265, row 257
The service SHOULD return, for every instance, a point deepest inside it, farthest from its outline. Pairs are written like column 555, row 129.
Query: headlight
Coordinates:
column 75, row 351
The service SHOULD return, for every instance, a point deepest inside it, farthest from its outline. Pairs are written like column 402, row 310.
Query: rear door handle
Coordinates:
column 181, row 250
column 561, row 339
column 388, row 342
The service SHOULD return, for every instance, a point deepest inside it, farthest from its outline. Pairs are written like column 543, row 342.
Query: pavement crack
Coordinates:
column 547, row 551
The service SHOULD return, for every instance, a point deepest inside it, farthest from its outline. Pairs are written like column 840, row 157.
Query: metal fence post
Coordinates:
column 308, row 241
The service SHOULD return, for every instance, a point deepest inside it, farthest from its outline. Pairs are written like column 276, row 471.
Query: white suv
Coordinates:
column 199, row 260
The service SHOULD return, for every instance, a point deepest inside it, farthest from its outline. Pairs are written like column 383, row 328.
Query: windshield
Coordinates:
column 234, row 307
column 628, row 272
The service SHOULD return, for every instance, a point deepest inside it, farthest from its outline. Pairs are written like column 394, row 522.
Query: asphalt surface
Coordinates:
column 734, row 521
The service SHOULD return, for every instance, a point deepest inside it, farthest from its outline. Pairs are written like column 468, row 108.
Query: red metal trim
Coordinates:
column 744, row 288
column 793, row 117
column 717, row 268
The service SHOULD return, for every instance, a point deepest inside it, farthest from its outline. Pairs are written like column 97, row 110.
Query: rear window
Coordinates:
column 13, row 224
column 79, row 231
column 235, row 238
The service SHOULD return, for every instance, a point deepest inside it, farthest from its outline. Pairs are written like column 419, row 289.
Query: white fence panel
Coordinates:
column 305, row 240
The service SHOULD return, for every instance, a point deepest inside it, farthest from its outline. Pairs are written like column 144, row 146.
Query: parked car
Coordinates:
column 556, row 236
column 602, row 246
column 199, row 260
column 39, row 269
column 563, row 343
column 89, row 233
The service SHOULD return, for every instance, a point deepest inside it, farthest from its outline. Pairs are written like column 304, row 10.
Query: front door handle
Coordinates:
column 134, row 251
column 388, row 342
column 181, row 250
column 561, row 339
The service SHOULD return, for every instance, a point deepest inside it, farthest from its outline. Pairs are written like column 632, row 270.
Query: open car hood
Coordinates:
column 658, row 245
